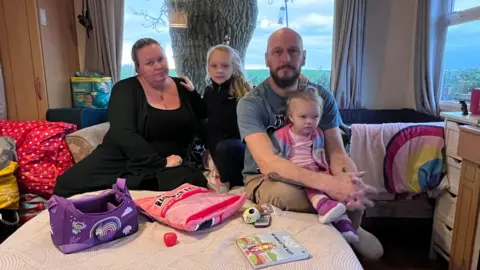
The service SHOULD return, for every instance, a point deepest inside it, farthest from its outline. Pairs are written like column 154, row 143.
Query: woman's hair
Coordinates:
column 239, row 86
column 309, row 93
column 139, row 44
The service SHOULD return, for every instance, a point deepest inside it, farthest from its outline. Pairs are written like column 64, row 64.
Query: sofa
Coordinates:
column 93, row 125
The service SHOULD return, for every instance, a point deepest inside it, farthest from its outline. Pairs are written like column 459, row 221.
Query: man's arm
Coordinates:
column 250, row 115
column 262, row 151
column 339, row 160
column 340, row 163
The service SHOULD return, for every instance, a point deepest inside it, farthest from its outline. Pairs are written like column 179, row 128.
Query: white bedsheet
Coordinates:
column 31, row 247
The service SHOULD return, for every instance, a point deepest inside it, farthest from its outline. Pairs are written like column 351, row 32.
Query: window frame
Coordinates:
column 456, row 18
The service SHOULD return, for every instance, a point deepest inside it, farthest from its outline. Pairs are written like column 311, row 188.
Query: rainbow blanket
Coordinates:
column 400, row 158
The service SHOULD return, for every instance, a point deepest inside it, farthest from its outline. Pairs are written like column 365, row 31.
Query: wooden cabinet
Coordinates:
column 452, row 202
column 466, row 234
column 39, row 54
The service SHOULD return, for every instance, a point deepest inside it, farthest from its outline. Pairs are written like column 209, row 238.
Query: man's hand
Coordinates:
column 349, row 189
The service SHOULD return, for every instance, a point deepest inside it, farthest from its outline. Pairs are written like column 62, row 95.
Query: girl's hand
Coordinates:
column 173, row 161
column 188, row 84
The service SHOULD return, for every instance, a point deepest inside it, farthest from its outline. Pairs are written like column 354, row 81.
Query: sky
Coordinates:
column 462, row 48
column 313, row 19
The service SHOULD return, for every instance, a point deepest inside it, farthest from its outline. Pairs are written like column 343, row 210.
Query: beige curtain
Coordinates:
column 349, row 24
column 104, row 47
column 430, row 39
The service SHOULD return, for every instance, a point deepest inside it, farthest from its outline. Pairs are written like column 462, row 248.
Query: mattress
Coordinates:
column 31, row 247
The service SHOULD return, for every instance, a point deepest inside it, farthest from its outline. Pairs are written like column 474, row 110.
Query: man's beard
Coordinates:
column 287, row 82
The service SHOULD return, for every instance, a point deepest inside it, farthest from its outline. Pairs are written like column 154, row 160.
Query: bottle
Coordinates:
column 475, row 101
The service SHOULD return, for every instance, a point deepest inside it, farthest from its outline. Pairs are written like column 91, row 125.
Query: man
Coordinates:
column 262, row 111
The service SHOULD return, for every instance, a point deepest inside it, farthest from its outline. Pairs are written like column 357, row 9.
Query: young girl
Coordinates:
column 302, row 142
column 226, row 85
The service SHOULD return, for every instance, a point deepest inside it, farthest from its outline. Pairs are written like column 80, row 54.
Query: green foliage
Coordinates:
column 256, row 76
column 321, row 77
column 458, row 84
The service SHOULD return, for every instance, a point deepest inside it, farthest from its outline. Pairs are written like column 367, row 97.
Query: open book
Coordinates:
column 263, row 250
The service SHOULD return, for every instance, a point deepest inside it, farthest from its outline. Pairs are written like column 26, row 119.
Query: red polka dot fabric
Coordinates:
column 42, row 153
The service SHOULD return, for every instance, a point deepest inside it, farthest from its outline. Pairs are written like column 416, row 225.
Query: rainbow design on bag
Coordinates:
column 414, row 159
column 106, row 228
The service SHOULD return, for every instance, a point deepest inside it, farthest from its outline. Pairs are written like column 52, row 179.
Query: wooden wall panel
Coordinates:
column 6, row 67
column 22, row 80
column 40, row 90
column 60, row 50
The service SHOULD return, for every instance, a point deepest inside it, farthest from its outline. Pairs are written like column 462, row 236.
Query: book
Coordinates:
column 263, row 250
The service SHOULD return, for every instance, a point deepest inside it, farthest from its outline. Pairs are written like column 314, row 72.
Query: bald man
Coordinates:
column 262, row 112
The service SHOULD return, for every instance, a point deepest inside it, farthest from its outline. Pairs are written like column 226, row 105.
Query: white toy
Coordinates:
column 251, row 215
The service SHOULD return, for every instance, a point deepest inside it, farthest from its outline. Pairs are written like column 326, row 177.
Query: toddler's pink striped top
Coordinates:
column 302, row 152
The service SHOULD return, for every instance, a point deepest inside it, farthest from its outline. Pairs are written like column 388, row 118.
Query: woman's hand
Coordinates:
column 188, row 84
column 173, row 161
column 349, row 189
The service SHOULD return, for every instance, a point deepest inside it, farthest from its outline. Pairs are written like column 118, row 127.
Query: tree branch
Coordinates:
column 155, row 22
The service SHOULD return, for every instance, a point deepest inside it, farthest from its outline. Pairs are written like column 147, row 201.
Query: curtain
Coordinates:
column 104, row 46
column 348, row 37
column 430, row 38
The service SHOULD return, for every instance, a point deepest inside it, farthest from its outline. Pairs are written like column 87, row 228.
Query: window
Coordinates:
column 313, row 19
column 461, row 62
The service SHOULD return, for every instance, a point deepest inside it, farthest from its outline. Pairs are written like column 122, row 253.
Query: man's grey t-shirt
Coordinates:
column 263, row 111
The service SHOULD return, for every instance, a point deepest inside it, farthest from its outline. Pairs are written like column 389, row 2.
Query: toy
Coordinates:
column 251, row 215
column 463, row 107
column 170, row 239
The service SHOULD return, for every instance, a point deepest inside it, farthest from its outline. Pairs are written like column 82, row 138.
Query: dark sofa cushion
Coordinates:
column 82, row 117
column 366, row 116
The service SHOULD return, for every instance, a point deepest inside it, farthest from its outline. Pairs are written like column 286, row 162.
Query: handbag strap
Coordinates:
column 121, row 189
column 12, row 222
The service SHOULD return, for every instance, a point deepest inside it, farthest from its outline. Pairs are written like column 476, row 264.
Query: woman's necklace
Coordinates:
column 152, row 90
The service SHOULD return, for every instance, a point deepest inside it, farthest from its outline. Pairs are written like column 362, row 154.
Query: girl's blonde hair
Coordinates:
column 239, row 86
column 309, row 93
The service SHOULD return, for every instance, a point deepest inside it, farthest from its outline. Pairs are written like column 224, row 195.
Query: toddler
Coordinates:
column 302, row 142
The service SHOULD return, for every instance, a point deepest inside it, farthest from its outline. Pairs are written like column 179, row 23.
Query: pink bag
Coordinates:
column 191, row 208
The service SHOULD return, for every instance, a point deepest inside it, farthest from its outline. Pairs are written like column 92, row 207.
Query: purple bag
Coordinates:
column 83, row 223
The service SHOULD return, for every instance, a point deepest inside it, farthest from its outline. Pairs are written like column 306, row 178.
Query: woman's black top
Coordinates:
column 170, row 131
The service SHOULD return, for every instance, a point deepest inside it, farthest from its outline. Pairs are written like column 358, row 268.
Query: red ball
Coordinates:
column 170, row 239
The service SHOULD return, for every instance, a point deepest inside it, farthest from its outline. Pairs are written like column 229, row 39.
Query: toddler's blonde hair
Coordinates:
column 309, row 93
column 239, row 86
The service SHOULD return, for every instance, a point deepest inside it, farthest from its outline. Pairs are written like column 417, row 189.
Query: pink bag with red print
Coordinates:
column 191, row 208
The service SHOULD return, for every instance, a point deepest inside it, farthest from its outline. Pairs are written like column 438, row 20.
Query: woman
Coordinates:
column 153, row 119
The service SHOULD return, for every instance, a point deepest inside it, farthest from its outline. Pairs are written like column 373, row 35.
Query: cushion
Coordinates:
column 82, row 142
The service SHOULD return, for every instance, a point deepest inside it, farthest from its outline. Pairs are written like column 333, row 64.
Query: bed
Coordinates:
column 31, row 247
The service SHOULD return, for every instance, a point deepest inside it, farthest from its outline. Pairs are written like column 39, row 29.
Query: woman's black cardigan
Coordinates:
column 128, row 120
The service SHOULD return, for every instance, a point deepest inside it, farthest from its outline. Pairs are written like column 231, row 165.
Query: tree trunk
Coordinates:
column 208, row 23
